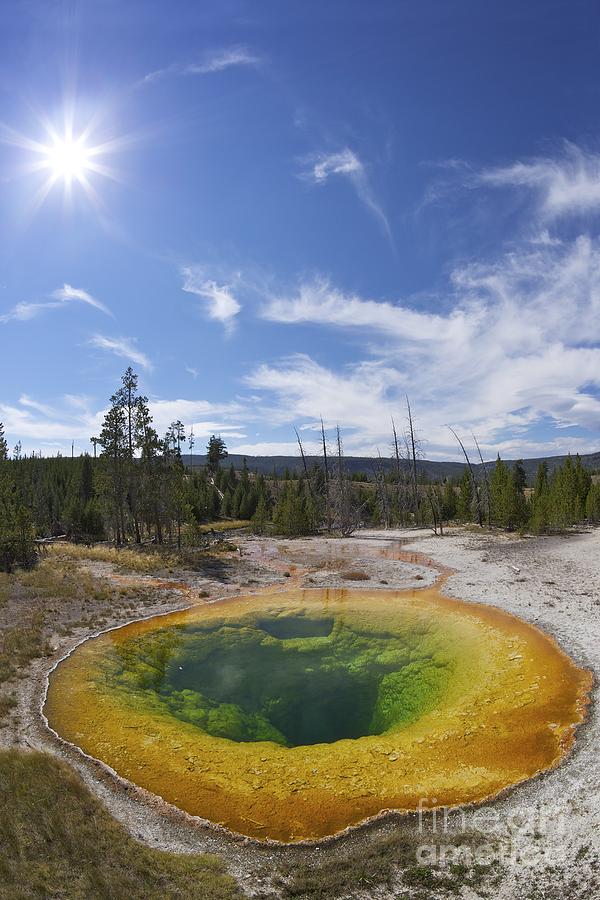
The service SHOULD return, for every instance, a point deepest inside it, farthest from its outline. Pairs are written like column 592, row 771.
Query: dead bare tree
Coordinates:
column 396, row 449
column 326, row 467
column 382, row 491
column 486, row 481
column 305, row 465
column 412, row 454
column 474, row 483
column 413, row 458
column 345, row 514
column 436, row 505
column 402, row 492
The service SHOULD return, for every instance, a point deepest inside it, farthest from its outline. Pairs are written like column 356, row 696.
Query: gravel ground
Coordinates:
column 551, row 825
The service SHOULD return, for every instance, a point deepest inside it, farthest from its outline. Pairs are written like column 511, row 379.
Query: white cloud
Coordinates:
column 275, row 448
column 216, row 61
column 24, row 311
column 517, row 348
column 565, row 185
column 50, row 427
column 67, row 293
column 346, row 163
column 121, row 346
column 318, row 301
column 42, row 408
column 545, row 239
column 222, row 305
column 306, row 390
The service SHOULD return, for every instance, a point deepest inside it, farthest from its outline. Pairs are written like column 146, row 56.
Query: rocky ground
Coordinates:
column 541, row 840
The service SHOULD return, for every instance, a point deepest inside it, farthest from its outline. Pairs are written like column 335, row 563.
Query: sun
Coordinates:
column 68, row 159
column 66, row 156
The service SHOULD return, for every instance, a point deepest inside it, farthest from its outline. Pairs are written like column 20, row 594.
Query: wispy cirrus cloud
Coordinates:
column 24, row 311
column 566, row 184
column 320, row 302
column 212, row 62
column 67, row 293
column 220, row 302
column 346, row 164
column 121, row 346
column 517, row 349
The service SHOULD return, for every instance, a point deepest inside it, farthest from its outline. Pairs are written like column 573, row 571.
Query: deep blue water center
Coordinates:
column 291, row 679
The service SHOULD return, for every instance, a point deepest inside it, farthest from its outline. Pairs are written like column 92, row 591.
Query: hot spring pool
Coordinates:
column 294, row 715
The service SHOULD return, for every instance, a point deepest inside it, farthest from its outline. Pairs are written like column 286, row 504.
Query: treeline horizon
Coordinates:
column 137, row 489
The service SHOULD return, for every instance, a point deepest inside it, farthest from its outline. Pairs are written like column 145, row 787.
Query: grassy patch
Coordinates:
column 147, row 559
column 385, row 861
column 59, row 576
column 55, row 596
column 4, row 588
column 56, row 840
column 224, row 525
column 20, row 644
column 7, row 702
column 138, row 560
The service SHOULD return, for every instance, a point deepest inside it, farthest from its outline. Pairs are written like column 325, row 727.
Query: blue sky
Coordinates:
column 294, row 210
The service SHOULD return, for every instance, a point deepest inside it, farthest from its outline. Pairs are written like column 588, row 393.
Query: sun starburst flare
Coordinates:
column 68, row 158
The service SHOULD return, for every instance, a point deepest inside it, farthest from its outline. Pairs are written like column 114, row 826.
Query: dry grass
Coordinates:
column 58, row 595
column 20, row 644
column 57, row 575
column 355, row 576
column 57, row 841
column 147, row 559
column 137, row 560
column 4, row 588
column 384, row 862
column 7, row 703
column 224, row 525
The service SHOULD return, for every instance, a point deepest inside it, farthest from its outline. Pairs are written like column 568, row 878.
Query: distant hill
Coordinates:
column 269, row 465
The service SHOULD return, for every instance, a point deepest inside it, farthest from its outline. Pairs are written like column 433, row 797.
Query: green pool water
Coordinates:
column 293, row 679
column 292, row 715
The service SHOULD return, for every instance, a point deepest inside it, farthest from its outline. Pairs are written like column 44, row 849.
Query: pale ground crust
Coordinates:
column 548, row 828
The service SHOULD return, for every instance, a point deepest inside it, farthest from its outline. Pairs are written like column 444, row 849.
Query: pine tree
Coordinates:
column 3, row 444
column 17, row 534
column 260, row 518
column 175, row 437
column 449, row 502
column 540, row 501
column 592, row 505
column 113, row 440
column 127, row 397
column 518, row 503
column 216, row 450
column 583, row 483
column 464, row 504
column 506, row 495
column 564, row 499
column 292, row 514
column 226, row 504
